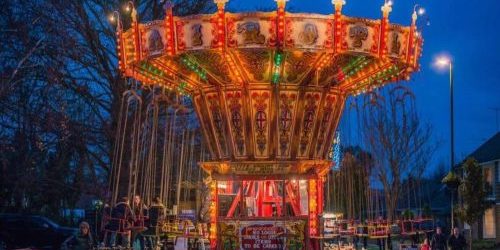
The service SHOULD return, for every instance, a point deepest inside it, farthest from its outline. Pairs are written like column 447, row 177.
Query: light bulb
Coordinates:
column 421, row 11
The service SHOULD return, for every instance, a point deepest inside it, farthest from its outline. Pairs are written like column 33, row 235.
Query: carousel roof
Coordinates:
column 269, row 87
column 236, row 49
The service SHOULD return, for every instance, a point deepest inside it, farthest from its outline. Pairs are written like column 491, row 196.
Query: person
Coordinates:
column 106, row 216
column 156, row 216
column 456, row 240
column 141, row 215
column 380, row 241
column 120, row 223
column 438, row 241
column 425, row 245
column 82, row 240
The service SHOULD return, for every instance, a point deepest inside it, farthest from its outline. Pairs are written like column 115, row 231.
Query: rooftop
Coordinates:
column 488, row 151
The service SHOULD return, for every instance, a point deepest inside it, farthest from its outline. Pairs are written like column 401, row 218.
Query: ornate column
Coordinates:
column 384, row 25
column 220, row 23
column 337, row 25
column 169, row 24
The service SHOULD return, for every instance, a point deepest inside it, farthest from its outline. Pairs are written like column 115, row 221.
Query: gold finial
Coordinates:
column 338, row 4
column 387, row 8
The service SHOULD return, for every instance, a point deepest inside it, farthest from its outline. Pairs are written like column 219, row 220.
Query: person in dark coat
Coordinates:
column 438, row 241
column 156, row 216
column 456, row 240
column 82, row 240
column 141, row 214
column 120, row 223
column 106, row 216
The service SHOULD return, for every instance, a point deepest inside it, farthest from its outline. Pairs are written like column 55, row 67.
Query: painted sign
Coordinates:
column 253, row 235
column 262, row 235
column 260, row 169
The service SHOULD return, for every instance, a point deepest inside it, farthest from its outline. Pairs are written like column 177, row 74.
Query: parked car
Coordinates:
column 31, row 231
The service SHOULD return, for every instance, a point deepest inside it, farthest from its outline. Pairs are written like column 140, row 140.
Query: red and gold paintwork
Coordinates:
column 269, row 87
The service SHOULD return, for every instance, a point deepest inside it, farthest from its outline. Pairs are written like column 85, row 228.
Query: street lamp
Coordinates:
column 443, row 62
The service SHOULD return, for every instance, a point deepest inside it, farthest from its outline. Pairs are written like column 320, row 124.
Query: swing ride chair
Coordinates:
column 268, row 89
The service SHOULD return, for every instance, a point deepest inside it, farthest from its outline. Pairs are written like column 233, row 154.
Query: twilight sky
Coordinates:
column 467, row 30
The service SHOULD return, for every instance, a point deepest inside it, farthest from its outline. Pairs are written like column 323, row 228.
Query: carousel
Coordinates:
column 268, row 89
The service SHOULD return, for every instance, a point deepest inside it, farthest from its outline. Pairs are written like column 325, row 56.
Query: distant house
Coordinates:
column 488, row 156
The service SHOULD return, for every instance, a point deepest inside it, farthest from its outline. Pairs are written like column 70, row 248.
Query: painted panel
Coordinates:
column 260, row 102
column 249, row 32
column 262, row 234
column 307, row 33
column 360, row 35
column 286, row 121
column 397, row 42
column 328, row 117
column 311, row 108
column 196, row 33
column 234, row 104
column 154, row 42
column 217, row 119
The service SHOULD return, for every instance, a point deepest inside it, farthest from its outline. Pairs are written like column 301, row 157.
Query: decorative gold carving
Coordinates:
column 325, row 121
column 155, row 42
column 298, row 64
column 197, row 37
column 213, row 62
column 217, row 120
column 311, row 108
column 235, row 109
column 256, row 63
column 309, row 35
column 261, row 119
column 359, row 34
column 286, row 118
column 251, row 33
column 396, row 43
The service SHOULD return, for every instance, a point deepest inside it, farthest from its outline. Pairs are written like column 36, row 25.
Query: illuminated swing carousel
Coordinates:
column 268, row 89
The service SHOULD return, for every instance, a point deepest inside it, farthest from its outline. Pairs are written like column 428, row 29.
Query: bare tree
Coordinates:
column 60, row 94
column 398, row 141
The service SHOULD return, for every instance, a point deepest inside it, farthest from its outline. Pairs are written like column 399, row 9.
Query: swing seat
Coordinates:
column 362, row 230
column 378, row 232
column 426, row 225
column 395, row 229
column 118, row 225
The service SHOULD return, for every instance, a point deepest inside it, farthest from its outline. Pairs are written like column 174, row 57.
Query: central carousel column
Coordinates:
column 277, row 72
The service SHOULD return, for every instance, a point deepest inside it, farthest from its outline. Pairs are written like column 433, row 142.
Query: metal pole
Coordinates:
column 452, row 221
column 452, row 125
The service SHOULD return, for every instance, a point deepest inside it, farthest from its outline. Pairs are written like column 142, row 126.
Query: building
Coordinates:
column 488, row 156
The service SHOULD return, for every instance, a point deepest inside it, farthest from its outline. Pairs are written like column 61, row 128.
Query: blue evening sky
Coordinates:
column 467, row 30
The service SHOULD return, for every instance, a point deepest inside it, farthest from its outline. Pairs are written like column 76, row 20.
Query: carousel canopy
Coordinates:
column 269, row 86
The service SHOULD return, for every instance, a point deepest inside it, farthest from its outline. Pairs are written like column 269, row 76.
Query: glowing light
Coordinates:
column 387, row 8
column 338, row 2
column 112, row 18
column 222, row 185
column 421, row 11
column 221, row 2
column 443, row 61
column 278, row 59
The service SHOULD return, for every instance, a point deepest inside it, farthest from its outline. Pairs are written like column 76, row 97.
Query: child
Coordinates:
column 425, row 245
column 82, row 240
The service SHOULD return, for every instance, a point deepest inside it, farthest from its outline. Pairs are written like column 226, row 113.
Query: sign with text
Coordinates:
column 262, row 235
column 260, row 169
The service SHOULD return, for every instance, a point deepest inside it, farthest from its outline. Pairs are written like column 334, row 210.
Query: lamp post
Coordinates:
column 443, row 62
